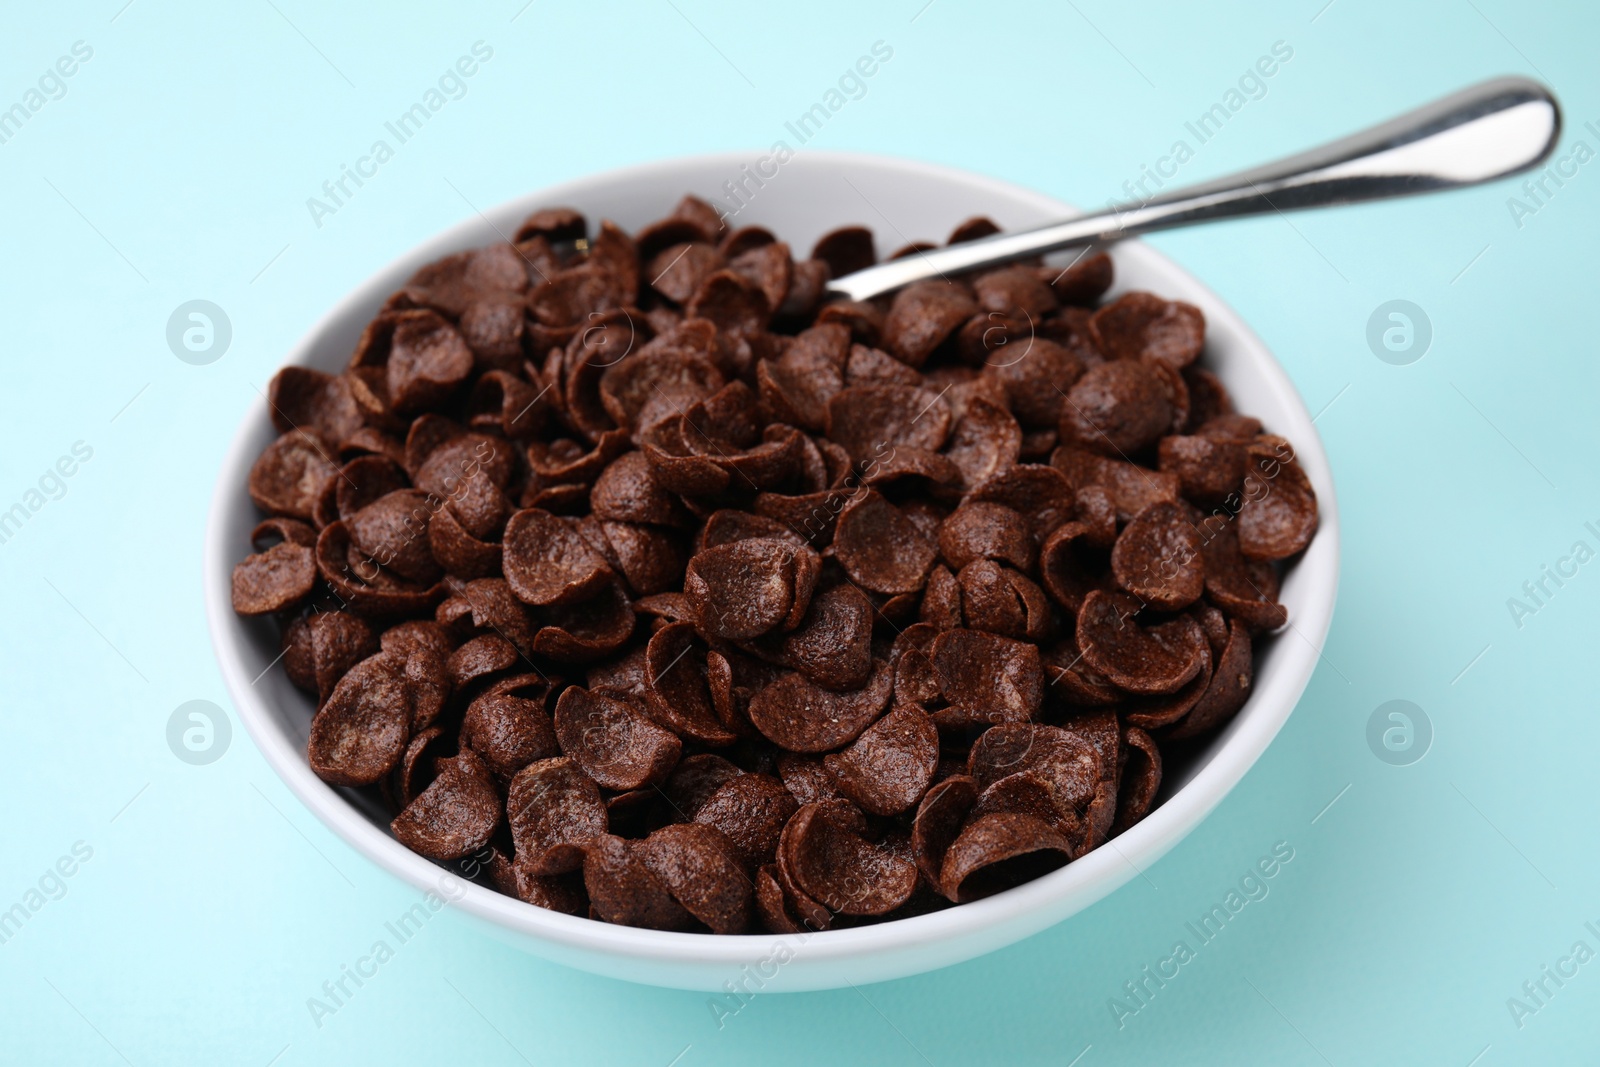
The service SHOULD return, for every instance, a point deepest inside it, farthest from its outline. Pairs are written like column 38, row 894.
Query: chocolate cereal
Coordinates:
column 696, row 603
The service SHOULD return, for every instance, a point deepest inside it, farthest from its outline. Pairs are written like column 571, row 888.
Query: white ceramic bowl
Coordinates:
column 811, row 194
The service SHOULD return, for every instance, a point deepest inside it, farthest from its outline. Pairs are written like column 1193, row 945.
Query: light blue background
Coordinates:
column 177, row 167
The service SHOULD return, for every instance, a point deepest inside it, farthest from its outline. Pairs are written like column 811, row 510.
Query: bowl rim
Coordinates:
column 1084, row 881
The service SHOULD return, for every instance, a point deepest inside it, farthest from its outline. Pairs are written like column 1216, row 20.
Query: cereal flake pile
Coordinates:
column 643, row 584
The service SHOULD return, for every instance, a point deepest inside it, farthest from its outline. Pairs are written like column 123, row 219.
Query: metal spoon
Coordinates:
column 1490, row 130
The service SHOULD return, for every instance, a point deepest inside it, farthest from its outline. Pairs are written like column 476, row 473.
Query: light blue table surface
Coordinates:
column 175, row 164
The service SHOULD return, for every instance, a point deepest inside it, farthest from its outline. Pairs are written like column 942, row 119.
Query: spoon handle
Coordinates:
column 1487, row 131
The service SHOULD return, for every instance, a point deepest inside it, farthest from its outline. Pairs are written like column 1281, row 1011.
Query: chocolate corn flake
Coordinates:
column 1017, row 288
column 323, row 404
column 838, row 868
column 797, row 714
column 676, row 596
column 881, row 547
column 888, row 768
column 846, row 250
column 650, row 559
column 482, row 657
column 555, row 224
column 628, row 491
column 1226, row 689
column 751, row 810
column 1153, row 712
column 454, row 816
column 871, row 421
column 941, row 600
column 508, row 732
column 623, row 889
column 1154, row 660
column 1141, row 778
column 772, row 904
column 769, row 268
column 984, row 530
column 678, row 685
column 731, row 303
column 972, row 229
column 1063, row 762
column 553, row 809
column 798, row 384
column 1026, row 793
column 988, row 672
column 365, row 480
column 1103, row 730
column 319, row 648
column 984, row 442
column 744, row 589
column 700, row 867
column 563, row 893
column 832, row 646
column 1279, row 516
column 1081, row 282
column 615, row 744
column 1002, row 600
column 407, row 638
column 393, row 532
column 586, row 631
column 274, row 580
column 642, row 390
column 694, row 780
column 737, row 242
column 863, row 319
column 1158, row 559
column 1119, row 408
column 1069, row 565
column 1074, row 682
column 427, row 361
column 1144, row 326
column 939, row 819
column 804, row 298
column 727, row 524
column 1128, row 487
column 1039, row 493
column 493, row 329
column 1036, row 374
column 1209, row 469
column 415, row 769
column 358, row 735
column 997, row 851
column 922, row 316
column 1244, row 589
column 290, row 474
column 870, row 366
column 677, row 271
column 547, row 561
